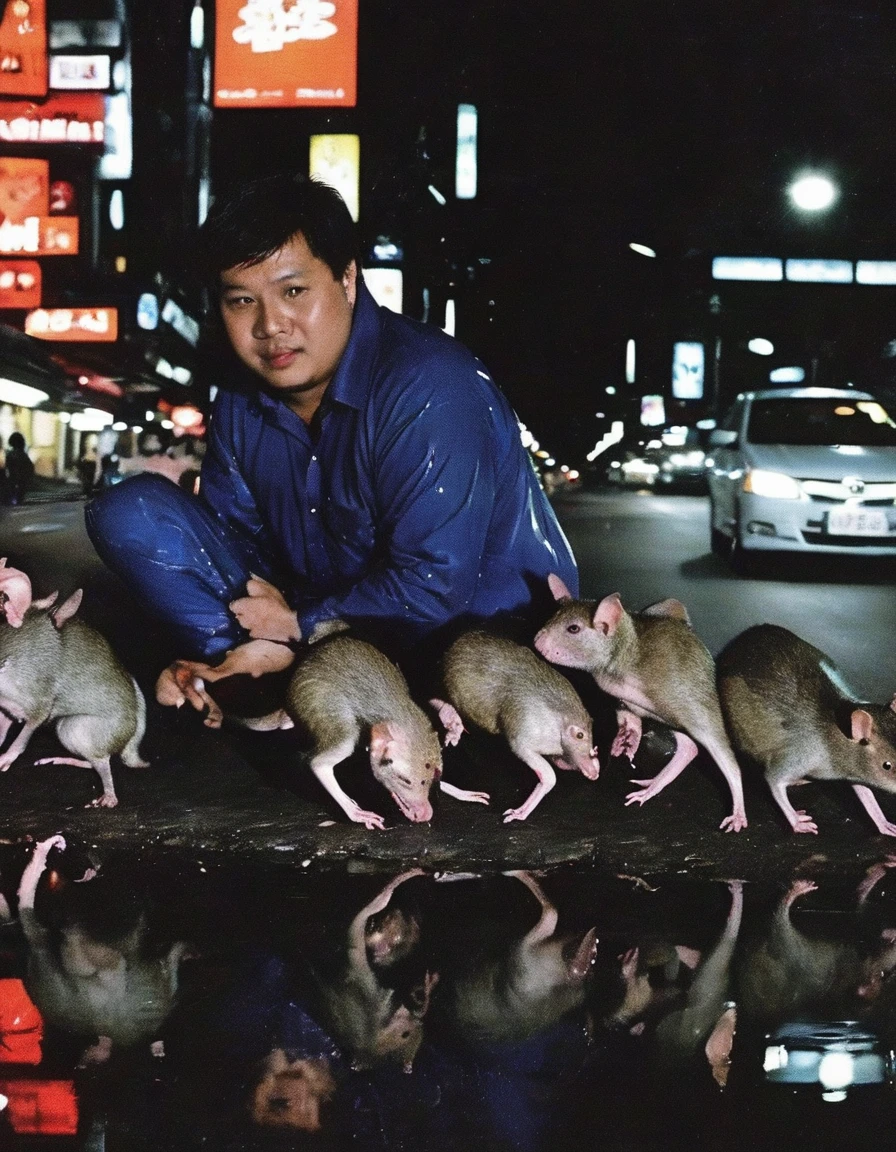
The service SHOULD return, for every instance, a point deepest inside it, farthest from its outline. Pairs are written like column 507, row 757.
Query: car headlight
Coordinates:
column 774, row 484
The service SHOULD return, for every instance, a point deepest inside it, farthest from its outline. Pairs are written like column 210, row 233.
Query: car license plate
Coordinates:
column 858, row 522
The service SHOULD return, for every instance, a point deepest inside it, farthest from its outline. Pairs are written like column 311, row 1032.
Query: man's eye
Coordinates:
column 237, row 301
column 293, row 291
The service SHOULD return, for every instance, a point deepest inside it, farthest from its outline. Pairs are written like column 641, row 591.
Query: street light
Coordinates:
column 812, row 192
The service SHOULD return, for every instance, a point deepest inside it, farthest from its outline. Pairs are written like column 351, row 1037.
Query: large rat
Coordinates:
column 343, row 687
column 654, row 665
column 788, row 707
column 54, row 667
column 505, row 689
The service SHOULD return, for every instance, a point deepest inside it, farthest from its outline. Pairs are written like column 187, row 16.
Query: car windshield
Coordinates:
column 813, row 420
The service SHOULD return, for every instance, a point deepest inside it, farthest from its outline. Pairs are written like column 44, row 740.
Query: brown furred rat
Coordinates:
column 788, row 707
column 653, row 664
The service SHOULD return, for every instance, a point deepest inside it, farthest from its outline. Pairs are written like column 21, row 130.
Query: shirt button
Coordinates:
column 313, row 509
column 314, row 458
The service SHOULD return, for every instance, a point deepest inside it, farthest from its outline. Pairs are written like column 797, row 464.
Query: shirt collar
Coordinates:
column 351, row 382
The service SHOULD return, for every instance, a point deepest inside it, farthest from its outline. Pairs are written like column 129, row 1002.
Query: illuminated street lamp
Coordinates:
column 812, row 193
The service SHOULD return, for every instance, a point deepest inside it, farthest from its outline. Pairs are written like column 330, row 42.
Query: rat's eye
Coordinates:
column 573, row 628
column 888, row 767
column 580, row 735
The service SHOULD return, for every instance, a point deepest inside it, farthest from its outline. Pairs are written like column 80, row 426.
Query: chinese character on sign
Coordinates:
column 269, row 24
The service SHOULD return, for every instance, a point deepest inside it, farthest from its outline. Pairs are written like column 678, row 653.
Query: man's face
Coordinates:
column 289, row 320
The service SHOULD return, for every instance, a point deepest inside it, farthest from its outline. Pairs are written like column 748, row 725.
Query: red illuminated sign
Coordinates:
column 24, row 189
column 41, row 1107
column 23, row 48
column 21, row 1025
column 78, row 118
column 20, row 284
column 40, row 236
column 285, row 53
column 81, row 324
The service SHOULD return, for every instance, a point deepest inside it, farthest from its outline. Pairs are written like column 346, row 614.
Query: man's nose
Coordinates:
column 269, row 320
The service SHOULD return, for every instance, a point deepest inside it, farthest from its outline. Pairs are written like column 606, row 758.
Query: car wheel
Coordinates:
column 720, row 544
column 743, row 562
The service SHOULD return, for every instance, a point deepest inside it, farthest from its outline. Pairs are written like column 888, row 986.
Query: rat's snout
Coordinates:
column 590, row 767
column 417, row 811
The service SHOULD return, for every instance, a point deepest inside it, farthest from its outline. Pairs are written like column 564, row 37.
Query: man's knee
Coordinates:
column 131, row 510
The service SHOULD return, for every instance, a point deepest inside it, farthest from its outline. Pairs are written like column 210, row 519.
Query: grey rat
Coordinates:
column 54, row 667
column 653, row 664
column 343, row 688
column 505, row 689
column 788, row 707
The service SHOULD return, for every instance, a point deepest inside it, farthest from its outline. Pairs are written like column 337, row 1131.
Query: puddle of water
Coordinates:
column 193, row 1005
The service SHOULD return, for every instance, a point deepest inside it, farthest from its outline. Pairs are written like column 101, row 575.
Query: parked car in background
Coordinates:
column 809, row 470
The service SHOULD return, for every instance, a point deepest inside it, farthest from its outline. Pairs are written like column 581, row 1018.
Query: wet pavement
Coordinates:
column 252, row 795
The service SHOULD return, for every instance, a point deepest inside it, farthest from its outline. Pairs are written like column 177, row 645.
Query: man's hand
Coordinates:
column 264, row 613
column 184, row 680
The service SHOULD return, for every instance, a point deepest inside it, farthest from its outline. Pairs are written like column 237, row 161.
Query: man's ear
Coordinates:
column 350, row 283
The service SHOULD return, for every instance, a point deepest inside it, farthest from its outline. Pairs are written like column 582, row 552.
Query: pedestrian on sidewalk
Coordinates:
column 19, row 468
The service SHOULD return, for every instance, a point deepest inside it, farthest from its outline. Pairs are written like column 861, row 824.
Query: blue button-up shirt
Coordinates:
column 410, row 499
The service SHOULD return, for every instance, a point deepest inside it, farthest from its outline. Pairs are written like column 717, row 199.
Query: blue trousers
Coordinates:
column 179, row 561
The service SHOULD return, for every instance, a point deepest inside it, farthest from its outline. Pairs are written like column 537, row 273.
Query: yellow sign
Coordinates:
column 337, row 161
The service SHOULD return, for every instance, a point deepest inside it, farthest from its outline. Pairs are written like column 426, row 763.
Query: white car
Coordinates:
column 810, row 470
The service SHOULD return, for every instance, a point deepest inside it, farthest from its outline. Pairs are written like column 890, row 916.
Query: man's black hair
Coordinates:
column 253, row 220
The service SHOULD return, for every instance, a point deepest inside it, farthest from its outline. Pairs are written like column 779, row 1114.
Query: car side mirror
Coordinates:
column 722, row 438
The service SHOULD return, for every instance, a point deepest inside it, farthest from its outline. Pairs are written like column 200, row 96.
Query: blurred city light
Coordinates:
column 819, row 271
column 876, row 271
column 629, row 362
column 790, row 375
column 642, row 249
column 336, row 159
column 91, row 420
column 761, row 346
column 116, row 209
column 812, row 192
column 436, row 194
column 20, row 395
column 197, row 26
column 747, row 268
column 386, row 286
column 465, row 164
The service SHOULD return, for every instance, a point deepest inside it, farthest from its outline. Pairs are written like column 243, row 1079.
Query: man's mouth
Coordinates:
column 279, row 359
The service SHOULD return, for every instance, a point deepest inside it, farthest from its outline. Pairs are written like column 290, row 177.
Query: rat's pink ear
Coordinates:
column 862, row 724
column 893, row 704
column 608, row 614
column 381, row 736
column 67, row 608
column 672, row 608
column 558, row 589
column 16, row 594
